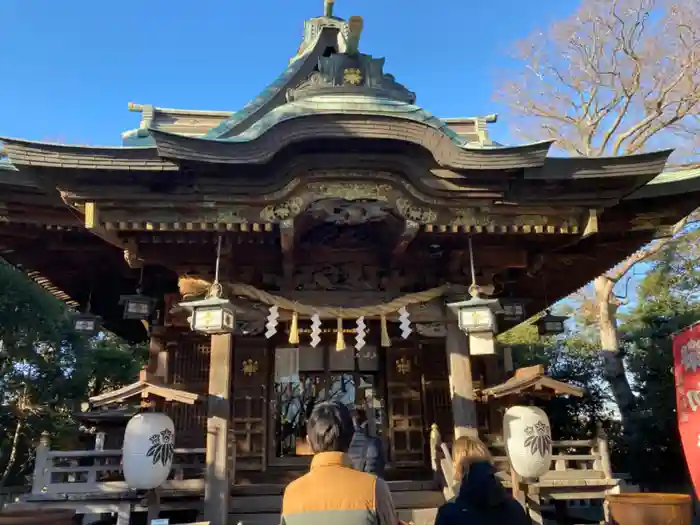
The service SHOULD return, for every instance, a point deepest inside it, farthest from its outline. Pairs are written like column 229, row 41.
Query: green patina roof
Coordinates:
column 268, row 93
column 313, row 84
column 342, row 104
column 676, row 175
column 6, row 165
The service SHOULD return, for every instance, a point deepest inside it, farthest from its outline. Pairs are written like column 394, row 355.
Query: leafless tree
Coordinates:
column 617, row 77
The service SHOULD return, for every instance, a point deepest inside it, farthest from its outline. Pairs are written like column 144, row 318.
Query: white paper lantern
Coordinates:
column 149, row 445
column 528, row 440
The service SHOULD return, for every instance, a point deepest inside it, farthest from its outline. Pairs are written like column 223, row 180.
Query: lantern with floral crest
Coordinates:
column 149, row 446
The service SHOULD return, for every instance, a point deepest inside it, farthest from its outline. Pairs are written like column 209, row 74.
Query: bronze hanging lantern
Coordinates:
column 137, row 306
column 86, row 323
column 212, row 315
column 513, row 311
column 476, row 314
column 551, row 324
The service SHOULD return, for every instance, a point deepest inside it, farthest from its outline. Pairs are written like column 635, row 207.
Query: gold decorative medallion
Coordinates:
column 250, row 367
column 403, row 365
column 352, row 76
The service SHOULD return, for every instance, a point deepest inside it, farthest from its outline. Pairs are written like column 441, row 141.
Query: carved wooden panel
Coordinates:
column 405, row 407
column 403, row 364
column 249, row 406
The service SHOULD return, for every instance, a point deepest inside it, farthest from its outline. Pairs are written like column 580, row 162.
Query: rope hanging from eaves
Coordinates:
column 190, row 287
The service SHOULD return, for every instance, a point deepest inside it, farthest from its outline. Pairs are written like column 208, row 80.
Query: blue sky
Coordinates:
column 70, row 67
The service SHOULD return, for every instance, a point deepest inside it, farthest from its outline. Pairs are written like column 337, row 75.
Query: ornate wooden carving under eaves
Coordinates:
column 352, row 191
column 341, row 211
column 468, row 217
column 283, row 211
column 330, row 197
column 412, row 212
column 523, row 222
column 344, row 74
column 349, row 276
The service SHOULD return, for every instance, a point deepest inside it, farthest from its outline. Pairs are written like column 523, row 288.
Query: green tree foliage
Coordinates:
column 571, row 359
column 667, row 299
column 47, row 370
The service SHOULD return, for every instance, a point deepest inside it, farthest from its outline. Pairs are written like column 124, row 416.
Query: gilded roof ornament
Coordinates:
column 328, row 8
column 355, row 25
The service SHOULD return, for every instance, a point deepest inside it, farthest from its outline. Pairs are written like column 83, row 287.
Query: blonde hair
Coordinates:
column 466, row 451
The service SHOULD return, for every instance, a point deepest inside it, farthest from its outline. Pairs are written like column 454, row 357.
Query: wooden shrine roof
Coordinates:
column 531, row 380
column 197, row 123
column 56, row 246
column 332, row 180
column 144, row 387
column 105, row 416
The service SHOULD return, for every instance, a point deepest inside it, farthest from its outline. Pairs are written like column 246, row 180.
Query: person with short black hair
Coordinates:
column 365, row 450
column 333, row 491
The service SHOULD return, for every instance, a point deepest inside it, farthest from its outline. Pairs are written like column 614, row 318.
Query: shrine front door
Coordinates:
column 305, row 376
column 406, row 428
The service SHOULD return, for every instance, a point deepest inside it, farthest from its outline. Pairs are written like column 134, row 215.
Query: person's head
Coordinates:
column 466, row 451
column 359, row 416
column 329, row 428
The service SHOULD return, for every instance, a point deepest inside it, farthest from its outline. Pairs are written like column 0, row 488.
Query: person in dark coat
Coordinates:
column 482, row 500
column 366, row 452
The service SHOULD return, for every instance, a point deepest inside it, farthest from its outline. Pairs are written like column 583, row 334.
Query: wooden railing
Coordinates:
column 100, row 471
column 574, row 462
column 11, row 494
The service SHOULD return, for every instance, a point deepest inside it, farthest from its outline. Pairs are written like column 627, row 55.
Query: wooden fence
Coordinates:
column 100, row 471
column 11, row 494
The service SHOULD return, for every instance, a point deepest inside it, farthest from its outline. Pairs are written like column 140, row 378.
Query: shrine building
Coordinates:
column 339, row 219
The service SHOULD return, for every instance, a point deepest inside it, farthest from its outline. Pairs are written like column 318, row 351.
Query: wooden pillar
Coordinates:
column 157, row 352
column 461, row 385
column 217, row 488
column 99, row 446
column 124, row 513
column 494, row 374
column 42, row 464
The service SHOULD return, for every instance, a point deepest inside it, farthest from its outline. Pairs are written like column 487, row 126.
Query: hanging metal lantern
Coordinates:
column 86, row 323
column 477, row 314
column 211, row 316
column 137, row 306
column 513, row 311
column 551, row 324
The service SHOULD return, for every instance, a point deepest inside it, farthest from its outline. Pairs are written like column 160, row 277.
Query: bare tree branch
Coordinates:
column 618, row 77
column 648, row 251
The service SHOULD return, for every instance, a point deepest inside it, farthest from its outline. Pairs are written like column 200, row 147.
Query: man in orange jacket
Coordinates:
column 333, row 491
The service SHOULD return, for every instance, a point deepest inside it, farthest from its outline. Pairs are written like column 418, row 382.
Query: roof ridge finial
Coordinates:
column 355, row 25
column 328, row 8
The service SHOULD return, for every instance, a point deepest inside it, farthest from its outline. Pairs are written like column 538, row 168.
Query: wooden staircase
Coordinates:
column 415, row 501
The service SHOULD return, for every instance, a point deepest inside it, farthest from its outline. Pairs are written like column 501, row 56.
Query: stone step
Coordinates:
column 272, row 503
column 424, row 516
column 269, row 489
